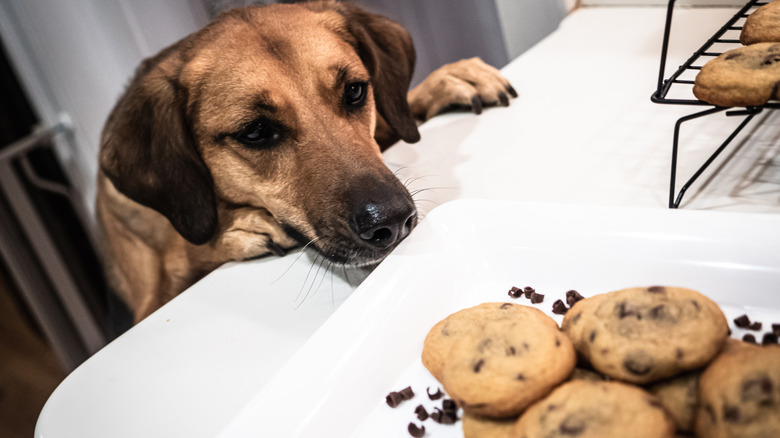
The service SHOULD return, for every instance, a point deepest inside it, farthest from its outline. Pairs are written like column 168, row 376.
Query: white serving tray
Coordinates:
column 471, row 251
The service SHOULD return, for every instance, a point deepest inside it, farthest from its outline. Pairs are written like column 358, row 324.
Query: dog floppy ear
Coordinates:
column 149, row 155
column 387, row 51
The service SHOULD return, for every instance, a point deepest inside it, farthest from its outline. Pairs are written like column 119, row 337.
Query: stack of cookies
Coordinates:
column 749, row 75
column 639, row 362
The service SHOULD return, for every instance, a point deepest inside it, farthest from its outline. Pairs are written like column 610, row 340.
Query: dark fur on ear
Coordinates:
column 387, row 51
column 149, row 154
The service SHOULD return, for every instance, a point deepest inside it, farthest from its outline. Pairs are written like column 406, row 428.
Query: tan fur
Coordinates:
column 179, row 194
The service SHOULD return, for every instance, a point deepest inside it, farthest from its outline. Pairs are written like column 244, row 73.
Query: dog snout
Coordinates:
column 383, row 225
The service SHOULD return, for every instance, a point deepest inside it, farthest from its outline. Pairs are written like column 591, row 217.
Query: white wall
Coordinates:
column 525, row 22
column 75, row 57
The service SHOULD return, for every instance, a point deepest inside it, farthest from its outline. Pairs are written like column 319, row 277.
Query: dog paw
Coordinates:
column 249, row 233
column 469, row 85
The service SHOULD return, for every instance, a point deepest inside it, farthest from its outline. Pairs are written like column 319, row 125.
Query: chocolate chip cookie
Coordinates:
column 763, row 25
column 645, row 334
column 442, row 335
column 680, row 397
column 740, row 393
column 591, row 409
column 746, row 76
column 498, row 370
column 482, row 427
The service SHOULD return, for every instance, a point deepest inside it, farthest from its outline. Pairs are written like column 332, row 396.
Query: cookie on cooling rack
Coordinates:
column 762, row 26
column 588, row 409
column 644, row 334
column 746, row 76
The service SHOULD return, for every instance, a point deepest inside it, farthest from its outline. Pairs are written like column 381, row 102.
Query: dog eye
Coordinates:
column 258, row 134
column 355, row 94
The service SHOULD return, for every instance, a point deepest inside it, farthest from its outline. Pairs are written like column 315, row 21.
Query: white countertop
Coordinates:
column 582, row 131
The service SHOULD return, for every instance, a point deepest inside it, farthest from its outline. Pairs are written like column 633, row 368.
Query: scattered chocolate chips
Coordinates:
column 422, row 414
column 416, row 431
column 742, row 321
column 435, row 396
column 756, row 326
column 394, row 399
column 656, row 289
column 528, row 291
column 515, row 292
column 407, row 393
column 572, row 296
column 536, row 298
column 749, row 338
column 478, row 365
column 776, row 329
column 444, row 417
column 449, row 405
column 769, row 339
column 559, row 308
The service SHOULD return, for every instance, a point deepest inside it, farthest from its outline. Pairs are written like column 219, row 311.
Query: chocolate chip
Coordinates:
column 478, row 365
column 435, row 396
column 769, row 339
column 656, row 289
column 658, row 312
column 776, row 329
column 444, row 417
column 731, row 414
column 511, row 351
column 416, row 431
column 758, row 390
column 749, row 338
column 528, row 291
column 505, row 306
column 678, row 353
column 696, row 304
column 515, row 292
column 592, row 336
column 572, row 297
column 484, row 344
column 756, row 326
column 536, row 298
column 422, row 414
column 638, row 362
column 393, row 399
column 771, row 59
column 520, row 377
column 407, row 393
column 742, row 321
column 572, row 426
column 625, row 310
column 449, row 405
column 559, row 308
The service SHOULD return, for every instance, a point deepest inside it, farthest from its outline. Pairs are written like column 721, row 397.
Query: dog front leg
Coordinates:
column 469, row 85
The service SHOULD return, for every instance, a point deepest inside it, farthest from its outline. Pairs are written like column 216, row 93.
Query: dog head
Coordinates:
column 275, row 108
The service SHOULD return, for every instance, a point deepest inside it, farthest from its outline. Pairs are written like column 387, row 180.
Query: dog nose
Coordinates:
column 384, row 225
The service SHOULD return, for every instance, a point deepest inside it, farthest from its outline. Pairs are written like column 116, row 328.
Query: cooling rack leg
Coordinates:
column 749, row 113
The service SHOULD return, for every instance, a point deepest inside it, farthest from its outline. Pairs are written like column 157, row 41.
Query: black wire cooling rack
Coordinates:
column 677, row 89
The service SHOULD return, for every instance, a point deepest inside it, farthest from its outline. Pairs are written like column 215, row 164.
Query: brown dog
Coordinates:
column 263, row 132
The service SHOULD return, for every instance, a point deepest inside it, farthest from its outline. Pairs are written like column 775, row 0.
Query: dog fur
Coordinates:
column 263, row 132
